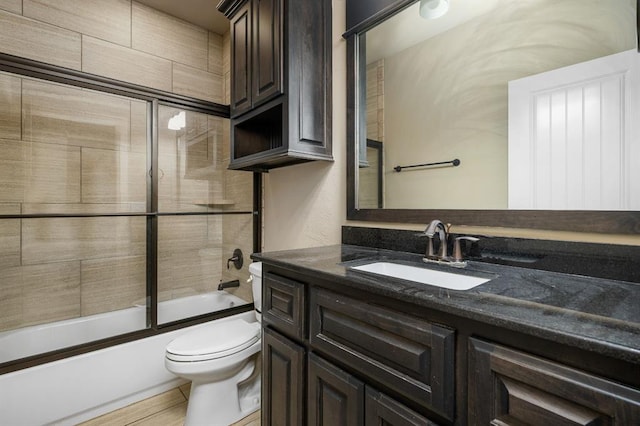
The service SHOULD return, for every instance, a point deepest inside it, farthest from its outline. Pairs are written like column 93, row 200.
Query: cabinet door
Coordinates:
column 283, row 371
column 335, row 398
column 508, row 387
column 382, row 410
column 267, row 50
column 412, row 357
column 241, row 60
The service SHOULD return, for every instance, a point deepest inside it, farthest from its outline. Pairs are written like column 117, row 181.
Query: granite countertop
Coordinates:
column 594, row 314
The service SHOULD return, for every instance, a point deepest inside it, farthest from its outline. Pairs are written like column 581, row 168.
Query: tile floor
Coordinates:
column 166, row 409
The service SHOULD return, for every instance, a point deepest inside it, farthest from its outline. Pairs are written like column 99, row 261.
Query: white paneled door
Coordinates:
column 574, row 137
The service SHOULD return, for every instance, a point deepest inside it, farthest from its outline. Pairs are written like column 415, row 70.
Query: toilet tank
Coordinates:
column 255, row 269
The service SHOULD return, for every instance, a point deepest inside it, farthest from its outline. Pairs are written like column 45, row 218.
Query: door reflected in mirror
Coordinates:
column 534, row 97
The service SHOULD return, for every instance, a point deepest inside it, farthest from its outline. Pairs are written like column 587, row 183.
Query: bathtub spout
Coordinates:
column 229, row 284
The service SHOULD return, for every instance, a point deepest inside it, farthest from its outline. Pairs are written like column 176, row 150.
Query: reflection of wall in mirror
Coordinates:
column 447, row 97
column 368, row 199
column 368, row 176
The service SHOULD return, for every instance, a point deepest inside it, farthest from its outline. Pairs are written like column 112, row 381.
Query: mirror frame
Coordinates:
column 596, row 221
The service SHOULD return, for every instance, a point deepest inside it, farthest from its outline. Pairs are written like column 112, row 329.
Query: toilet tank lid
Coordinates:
column 224, row 338
column 255, row 268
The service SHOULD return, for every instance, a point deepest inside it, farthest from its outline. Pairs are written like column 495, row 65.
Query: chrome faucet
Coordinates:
column 430, row 232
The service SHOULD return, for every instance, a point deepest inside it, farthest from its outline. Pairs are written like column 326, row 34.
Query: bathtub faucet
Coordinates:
column 229, row 284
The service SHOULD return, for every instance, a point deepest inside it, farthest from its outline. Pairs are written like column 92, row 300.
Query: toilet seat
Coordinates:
column 214, row 341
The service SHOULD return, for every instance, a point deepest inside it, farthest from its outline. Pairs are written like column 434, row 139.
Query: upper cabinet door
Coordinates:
column 241, row 60
column 267, row 50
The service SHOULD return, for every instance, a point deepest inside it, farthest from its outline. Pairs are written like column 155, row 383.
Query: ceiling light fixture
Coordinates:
column 432, row 9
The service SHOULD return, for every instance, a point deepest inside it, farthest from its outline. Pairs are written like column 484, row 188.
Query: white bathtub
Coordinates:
column 37, row 339
column 79, row 388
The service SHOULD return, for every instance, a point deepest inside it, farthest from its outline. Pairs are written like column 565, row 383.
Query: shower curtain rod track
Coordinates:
column 80, row 215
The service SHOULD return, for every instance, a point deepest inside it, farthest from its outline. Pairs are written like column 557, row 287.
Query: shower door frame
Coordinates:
column 30, row 68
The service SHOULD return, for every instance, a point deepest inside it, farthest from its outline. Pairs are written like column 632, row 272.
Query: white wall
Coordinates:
column 305, row 204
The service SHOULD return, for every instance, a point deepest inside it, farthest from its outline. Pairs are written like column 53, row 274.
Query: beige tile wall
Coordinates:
column 9, row 237
column 114, row 61
column 111, row 283
column 106, row 20
column 113, row 176
column 168, row 37
column 119, row 39
column 52, row 173
column 55, row 286
column 57, row 114
column 39, row 293
column 10, row 99
column 36, row 40
column 70, row 150
column 11, row 300
column 193, row 82
column 375, row 101
column 368, row 176
column 63, row 239
column 14, row 6
column 11, row 171
column 237, row 233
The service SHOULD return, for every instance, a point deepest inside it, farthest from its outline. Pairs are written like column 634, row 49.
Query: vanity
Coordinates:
column 558, row 345
column 348, row 347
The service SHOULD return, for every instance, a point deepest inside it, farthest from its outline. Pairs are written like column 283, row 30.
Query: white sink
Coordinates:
column 423, row 275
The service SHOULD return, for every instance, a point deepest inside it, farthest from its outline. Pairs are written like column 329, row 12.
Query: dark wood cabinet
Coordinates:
column 283, row 380
column 266, row 69
column 280, row 82
column 382, row 410
column 283, row 305
column 510, row 387
column 411, row 356
column 363, row 361
column 241, row 60
column 335, row 398
column 256, row 54
column 346, row 356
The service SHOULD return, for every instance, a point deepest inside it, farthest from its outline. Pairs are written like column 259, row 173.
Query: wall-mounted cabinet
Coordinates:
column 280, row 82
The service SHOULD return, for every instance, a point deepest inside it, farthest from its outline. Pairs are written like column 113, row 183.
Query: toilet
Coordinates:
column 222, row 362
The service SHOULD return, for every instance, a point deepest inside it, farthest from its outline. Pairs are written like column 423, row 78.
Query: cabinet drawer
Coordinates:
column 509, row 387
column 283, row 305
column 408, row 355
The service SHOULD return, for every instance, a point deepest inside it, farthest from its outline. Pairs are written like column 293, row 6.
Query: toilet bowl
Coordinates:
column 222, row 362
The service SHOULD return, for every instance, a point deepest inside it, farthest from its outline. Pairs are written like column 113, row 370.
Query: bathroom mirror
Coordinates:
column 465, row 87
